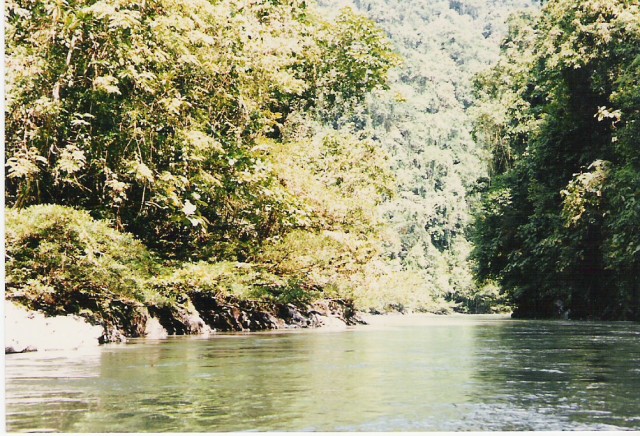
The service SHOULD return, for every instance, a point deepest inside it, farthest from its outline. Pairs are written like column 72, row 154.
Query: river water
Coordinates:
column 448, row 374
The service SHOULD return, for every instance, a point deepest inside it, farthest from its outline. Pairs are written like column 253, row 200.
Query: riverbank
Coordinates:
column 428, row 319
column 61, row 262
column 29, row 330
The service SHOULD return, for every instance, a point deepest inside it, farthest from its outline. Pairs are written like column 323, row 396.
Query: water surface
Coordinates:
column 476, row 373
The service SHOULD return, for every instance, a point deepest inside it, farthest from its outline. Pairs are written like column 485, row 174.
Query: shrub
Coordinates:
column 61, row 261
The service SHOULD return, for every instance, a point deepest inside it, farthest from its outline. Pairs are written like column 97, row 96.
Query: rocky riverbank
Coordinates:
column 28, row 330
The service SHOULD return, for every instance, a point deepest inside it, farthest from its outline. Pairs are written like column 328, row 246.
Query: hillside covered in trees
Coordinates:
column 235, row 142
column 198, row 129
column 162, row 154
column 425, row 125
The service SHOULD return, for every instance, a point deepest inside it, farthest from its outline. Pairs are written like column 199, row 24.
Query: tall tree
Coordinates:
column 560, row 114
column 206, row 129
column 153, row 114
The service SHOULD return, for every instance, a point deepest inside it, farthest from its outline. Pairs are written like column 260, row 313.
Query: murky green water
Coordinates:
column 475, row 374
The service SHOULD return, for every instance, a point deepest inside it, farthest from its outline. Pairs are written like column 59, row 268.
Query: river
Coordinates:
column 448, row 374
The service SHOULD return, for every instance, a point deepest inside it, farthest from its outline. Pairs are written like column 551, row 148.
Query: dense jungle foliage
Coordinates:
column 242, row 137
column 425, row 124
column 288, row 151
column 198, row 128
column 559, row 225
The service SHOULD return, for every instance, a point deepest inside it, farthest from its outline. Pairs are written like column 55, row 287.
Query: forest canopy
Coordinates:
column 159, row 115
column 425, row 123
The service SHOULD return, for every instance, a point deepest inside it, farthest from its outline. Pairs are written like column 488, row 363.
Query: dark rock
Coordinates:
column 315, row 318
column 292, row 316
column 127, row 319
column 27, row 349
column 179, row 320
column 263, row 321
column 112, row 335
column 227, row 313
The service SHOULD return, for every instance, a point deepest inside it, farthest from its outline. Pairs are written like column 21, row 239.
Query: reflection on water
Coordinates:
column 479, row 374
column 572, row 375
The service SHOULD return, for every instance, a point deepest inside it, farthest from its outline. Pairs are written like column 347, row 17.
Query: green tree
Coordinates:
column 559, row 116
column 152, row 114
column 206, row 130
column 424, row 123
